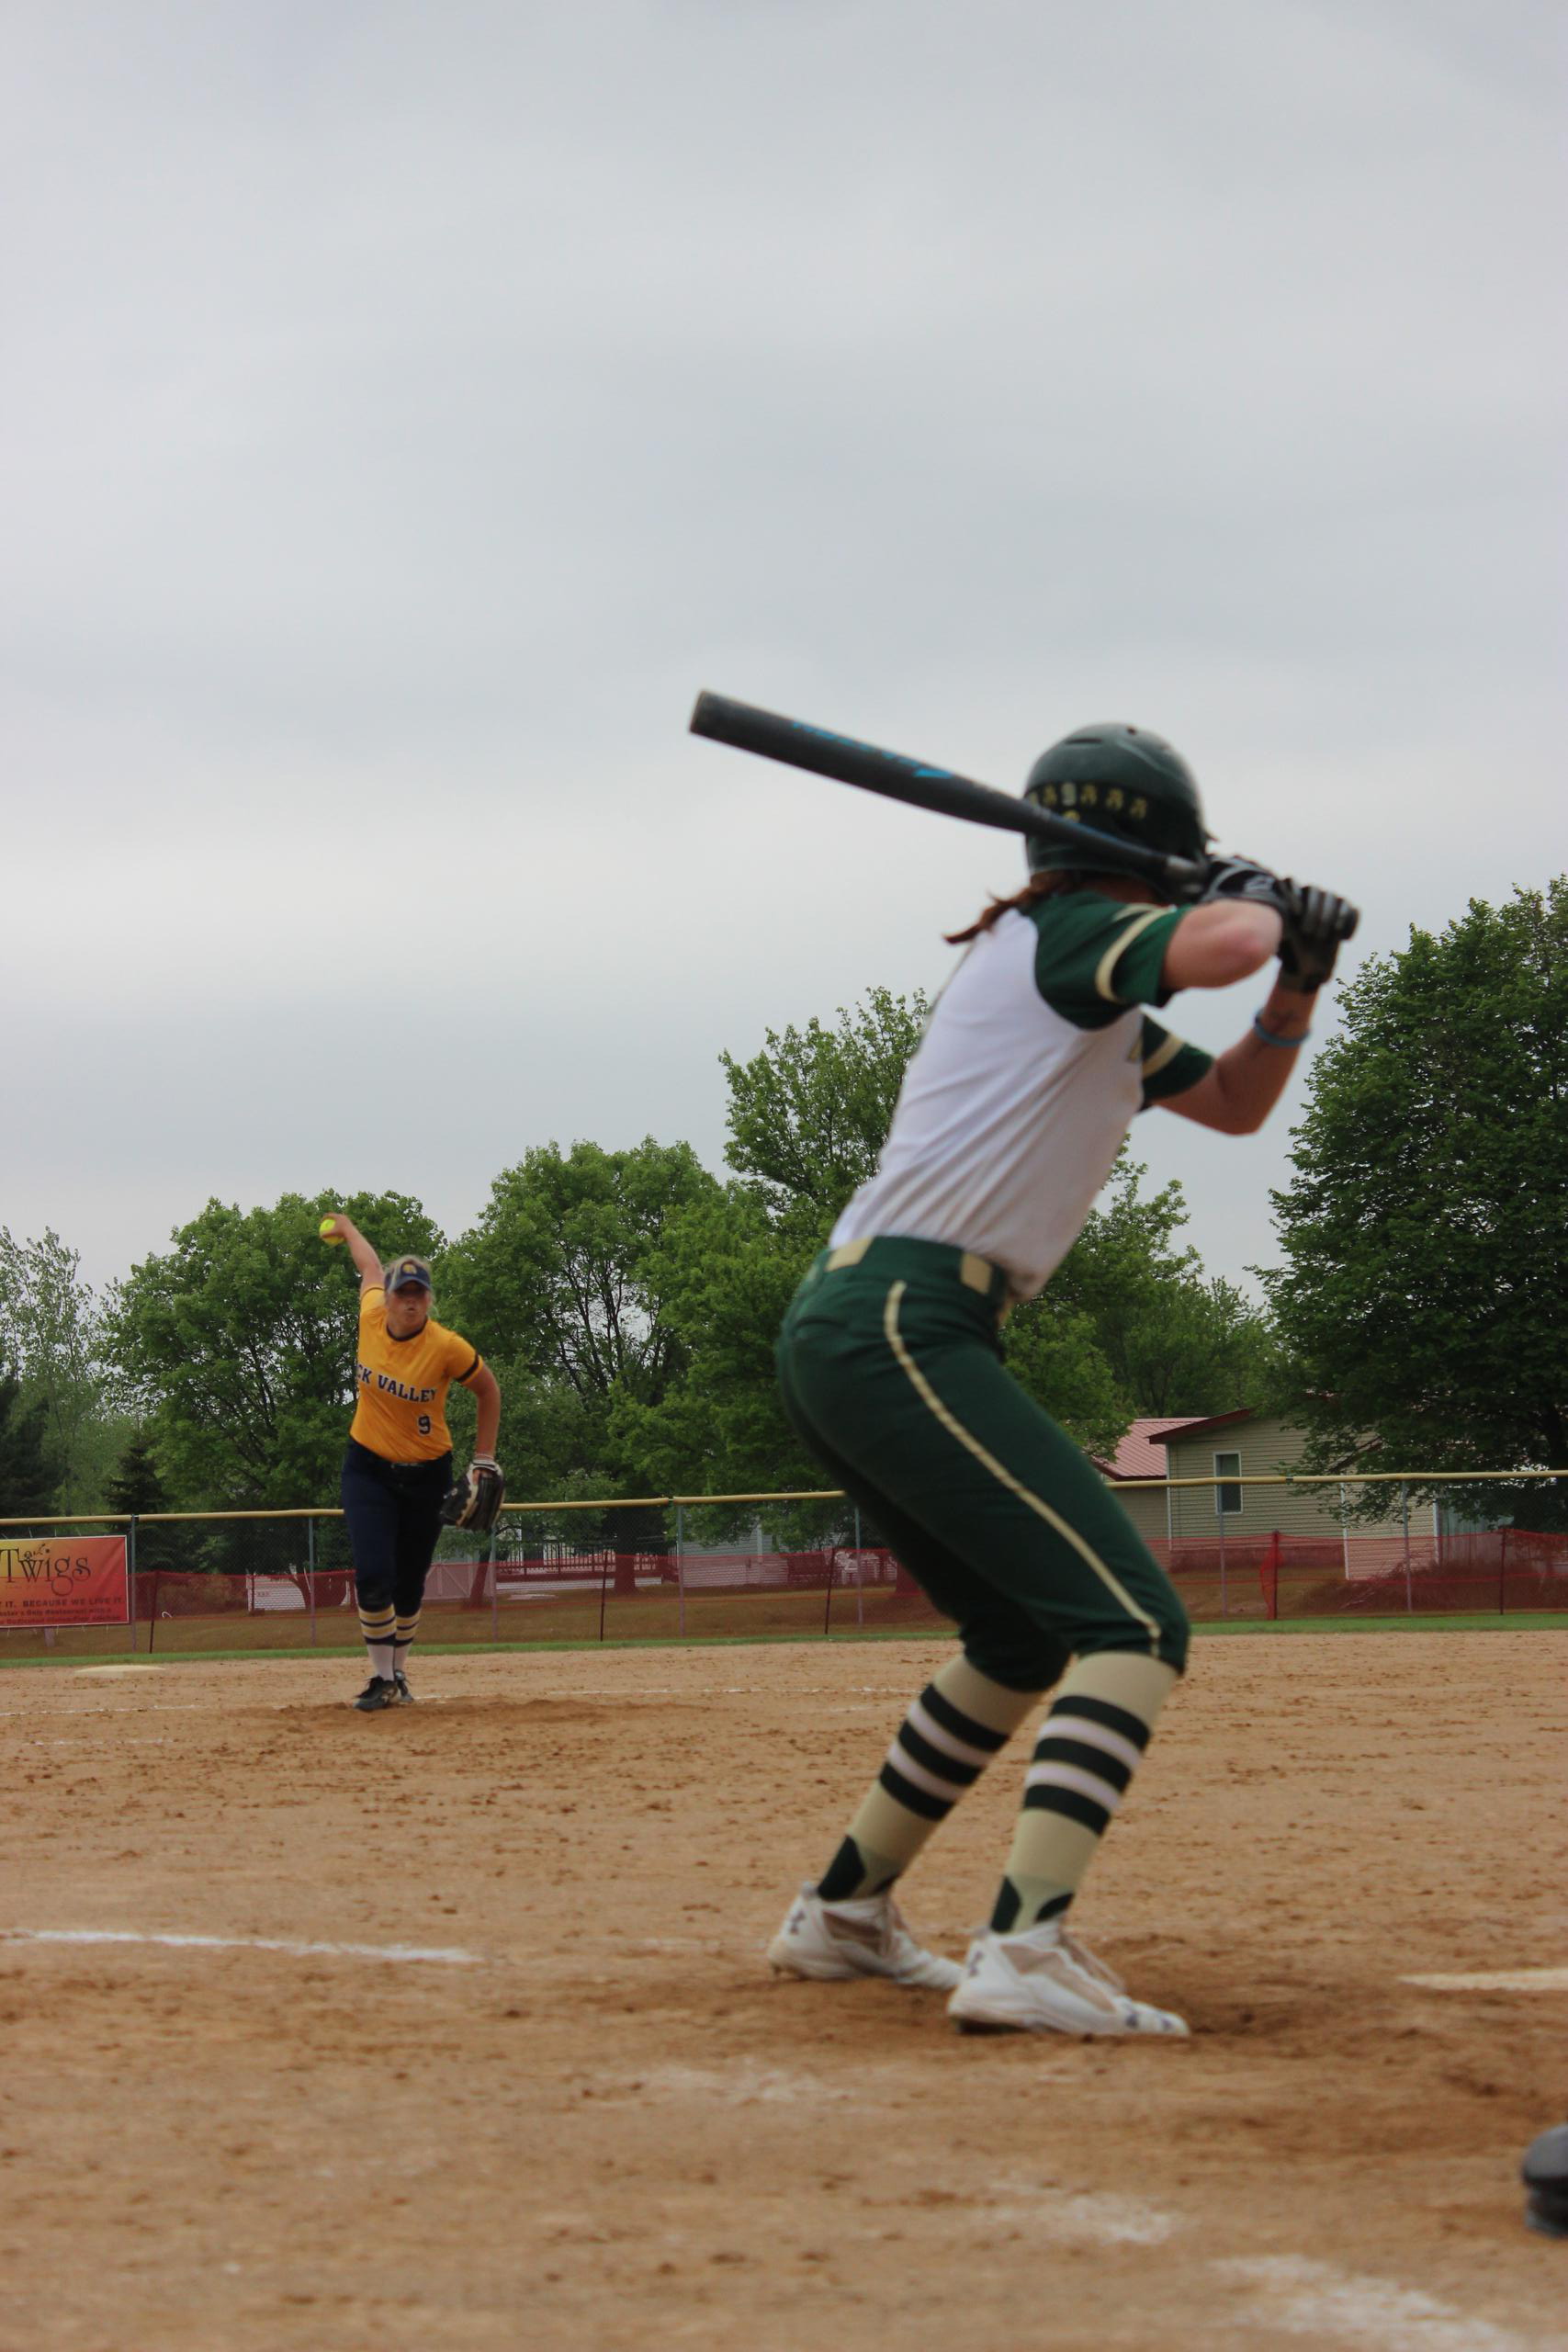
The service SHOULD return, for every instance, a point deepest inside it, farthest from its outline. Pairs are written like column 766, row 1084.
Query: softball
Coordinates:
column 327, row 1230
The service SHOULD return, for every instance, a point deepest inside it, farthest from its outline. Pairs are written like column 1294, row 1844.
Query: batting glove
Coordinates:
column 1316, row 926
column 1242, row 877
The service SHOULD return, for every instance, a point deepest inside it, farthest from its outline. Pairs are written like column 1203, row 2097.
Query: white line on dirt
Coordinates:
column 1294, row 2297
column 1082, row 2217
column 1496, row 1980
column 95, row 1709
column 447, row 1955
column 743, row 2083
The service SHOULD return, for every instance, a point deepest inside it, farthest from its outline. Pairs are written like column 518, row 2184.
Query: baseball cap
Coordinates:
column 409, row 1273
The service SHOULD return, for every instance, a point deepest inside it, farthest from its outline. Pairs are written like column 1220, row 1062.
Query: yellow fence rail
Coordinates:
column 798, row 1495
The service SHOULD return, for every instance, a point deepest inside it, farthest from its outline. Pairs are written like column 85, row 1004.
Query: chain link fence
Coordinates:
column 749, row 1567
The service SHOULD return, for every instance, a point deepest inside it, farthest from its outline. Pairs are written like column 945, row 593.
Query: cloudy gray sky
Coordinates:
column 406, row 410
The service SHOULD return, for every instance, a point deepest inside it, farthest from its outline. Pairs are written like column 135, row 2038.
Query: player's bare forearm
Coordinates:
column 485, row 1390
column 1244, row 1084
column 368, row 1265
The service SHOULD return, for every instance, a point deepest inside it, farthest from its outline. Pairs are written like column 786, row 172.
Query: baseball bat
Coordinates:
column 799, row 745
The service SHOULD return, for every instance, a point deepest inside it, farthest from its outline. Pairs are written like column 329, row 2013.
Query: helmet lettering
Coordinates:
column 1123, row 780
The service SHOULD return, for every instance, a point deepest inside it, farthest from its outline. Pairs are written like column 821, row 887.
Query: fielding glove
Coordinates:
column 477, row 1497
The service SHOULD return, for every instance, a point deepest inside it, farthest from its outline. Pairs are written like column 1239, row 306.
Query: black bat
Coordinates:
column 890, row 773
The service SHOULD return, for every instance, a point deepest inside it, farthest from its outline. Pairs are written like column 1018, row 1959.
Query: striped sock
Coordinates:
column 402, row 1638
column 959, row 1722
column 1089, row 1746
column 376, row 1625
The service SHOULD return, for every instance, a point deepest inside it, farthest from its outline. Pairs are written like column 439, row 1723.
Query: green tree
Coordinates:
column 27, row 1483
column 809, row 1114
column 237, row 1346
column 806, row 1118
column 1425, row 1230
column 559, row 1285
column 724, row 1275
column 1175, row 1340
column 134, row 1484
column 1053, row 1350
column 51, row 1331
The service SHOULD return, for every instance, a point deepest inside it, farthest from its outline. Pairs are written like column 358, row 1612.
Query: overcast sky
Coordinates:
column 405, row 410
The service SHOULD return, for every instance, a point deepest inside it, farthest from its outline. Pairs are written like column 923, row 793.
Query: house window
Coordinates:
column 1227, row 1500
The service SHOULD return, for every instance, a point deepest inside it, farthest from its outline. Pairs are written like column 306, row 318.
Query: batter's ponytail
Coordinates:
column 1038, row 887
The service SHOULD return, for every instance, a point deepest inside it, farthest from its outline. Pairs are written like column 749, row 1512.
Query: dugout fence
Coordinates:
column 761, row 1567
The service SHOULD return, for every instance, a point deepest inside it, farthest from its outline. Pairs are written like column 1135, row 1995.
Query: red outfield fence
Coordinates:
column 627, row 1571
column 1502, row 1571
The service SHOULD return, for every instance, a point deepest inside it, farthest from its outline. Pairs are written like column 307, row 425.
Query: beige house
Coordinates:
column 1141, row 1455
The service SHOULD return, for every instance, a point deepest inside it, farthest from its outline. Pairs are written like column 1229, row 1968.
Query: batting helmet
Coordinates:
column 1119, row 780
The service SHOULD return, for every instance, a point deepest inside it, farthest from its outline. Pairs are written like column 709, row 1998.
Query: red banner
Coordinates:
column 66, row 1581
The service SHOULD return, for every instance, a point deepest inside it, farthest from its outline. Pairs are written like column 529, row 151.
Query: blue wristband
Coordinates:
column 1271, row 1037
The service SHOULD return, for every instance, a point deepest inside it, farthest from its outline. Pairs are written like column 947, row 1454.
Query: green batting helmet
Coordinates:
column 1121, row 780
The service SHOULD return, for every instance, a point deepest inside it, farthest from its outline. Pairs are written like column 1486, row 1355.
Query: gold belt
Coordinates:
column 973, row 1272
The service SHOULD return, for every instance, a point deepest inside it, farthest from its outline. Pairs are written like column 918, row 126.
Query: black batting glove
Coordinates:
column 1242, row 877
column 1316, row 926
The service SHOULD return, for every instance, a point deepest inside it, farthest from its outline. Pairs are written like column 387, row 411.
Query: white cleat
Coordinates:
column 1045, row 1981
column 830, row 1941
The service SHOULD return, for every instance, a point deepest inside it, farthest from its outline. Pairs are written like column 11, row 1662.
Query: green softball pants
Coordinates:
column 891, row 1369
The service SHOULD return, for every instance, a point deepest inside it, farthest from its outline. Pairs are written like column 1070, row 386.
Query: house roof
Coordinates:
column 1214, row 1421
column 1140, row 1452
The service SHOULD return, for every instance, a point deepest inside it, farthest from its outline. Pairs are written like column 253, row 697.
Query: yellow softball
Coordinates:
column 328, row 1229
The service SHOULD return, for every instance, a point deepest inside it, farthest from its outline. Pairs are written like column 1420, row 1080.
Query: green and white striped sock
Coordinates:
column 1090, row 1745
column 959, row 1722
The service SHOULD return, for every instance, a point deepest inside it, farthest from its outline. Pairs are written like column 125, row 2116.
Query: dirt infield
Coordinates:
column 596, row 2121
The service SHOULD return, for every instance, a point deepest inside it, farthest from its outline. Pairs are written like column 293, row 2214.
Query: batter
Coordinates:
column 1040, row 1052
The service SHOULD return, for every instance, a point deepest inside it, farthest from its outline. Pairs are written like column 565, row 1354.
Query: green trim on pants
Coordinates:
column 891, row 1371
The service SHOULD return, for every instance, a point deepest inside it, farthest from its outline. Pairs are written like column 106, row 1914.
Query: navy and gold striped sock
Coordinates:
column 1090, row 1745
column 403, row 1633
column 959, row 1722
column 377, row 1626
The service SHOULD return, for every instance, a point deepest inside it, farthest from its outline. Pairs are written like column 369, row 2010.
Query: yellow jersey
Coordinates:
column 401, row 1414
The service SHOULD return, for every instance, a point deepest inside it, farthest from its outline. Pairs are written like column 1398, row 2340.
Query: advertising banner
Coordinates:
column 62, row 1580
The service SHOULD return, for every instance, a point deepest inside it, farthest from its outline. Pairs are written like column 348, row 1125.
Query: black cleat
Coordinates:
column 380, row 1691
column 405, row 1696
